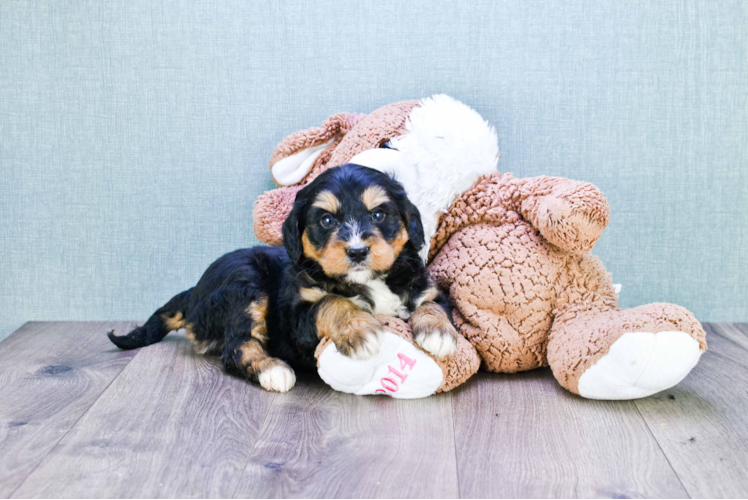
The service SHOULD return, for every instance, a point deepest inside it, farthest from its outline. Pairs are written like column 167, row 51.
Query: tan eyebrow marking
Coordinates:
column 327, row 201
column 373, row 196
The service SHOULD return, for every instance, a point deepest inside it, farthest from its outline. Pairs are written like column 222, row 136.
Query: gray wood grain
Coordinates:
column 737, row 333
column 173, row 424
column 50, row 374
column 741, row 327
column 321, row 443
column 522, row 435
column 79, row 418
column 702, row 423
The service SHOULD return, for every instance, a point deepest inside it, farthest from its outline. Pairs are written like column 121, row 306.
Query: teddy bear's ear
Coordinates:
column 292, row 169
column 295, row 156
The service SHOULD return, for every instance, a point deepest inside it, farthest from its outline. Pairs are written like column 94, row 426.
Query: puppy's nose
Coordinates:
column 357, row 254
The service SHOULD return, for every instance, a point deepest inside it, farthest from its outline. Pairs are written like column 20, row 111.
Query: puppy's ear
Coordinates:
column 415, row 227
column 293, row 227
column 408, row 211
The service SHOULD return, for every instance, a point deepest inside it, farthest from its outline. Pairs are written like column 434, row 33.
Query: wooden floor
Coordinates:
column 79, row 418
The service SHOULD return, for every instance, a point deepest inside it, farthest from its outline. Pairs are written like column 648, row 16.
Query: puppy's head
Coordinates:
column 353, row 222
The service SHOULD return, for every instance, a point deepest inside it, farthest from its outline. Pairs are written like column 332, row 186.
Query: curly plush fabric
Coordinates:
column 572, row 215
column 505, row 314
column 268, row 224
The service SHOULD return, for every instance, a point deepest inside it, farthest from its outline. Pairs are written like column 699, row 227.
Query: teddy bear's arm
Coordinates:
column 569, row 214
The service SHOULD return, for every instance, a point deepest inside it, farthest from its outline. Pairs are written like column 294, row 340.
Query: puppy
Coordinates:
column 350, row 251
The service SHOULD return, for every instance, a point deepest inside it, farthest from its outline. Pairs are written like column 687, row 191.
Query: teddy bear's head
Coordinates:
column 436, row 147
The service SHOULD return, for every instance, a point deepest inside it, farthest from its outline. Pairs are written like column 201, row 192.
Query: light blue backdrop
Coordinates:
column 134, row 135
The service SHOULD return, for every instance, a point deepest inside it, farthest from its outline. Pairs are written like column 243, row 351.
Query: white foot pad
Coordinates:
column 640, row 364
column 400, row 370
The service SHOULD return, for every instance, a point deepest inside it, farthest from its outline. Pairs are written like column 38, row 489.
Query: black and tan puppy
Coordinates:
column 351, row 251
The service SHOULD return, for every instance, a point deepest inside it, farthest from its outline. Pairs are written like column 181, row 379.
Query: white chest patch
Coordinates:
column 386, row 302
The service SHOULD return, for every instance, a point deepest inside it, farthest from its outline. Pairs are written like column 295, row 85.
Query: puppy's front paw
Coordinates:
column 433, row 331
column 361, row 338
column 356, row 333
column 438, row 342
column 279, row 378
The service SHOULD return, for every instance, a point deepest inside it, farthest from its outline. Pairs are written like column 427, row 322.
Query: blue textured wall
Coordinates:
column 134, row 135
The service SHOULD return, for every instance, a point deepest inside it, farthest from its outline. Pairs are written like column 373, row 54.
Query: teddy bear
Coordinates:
column 513, row 254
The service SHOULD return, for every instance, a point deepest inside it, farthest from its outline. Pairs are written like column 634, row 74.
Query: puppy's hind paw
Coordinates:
column 278, row 378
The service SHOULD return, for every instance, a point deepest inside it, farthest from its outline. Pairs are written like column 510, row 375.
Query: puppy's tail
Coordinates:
column 168, row 318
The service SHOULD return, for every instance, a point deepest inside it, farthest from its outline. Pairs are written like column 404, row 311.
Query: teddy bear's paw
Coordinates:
column 439, row 342
column 399, row 370
column 640, row 364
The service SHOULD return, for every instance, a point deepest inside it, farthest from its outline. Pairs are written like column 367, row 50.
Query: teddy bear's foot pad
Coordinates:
column 640, row 364
column 400, row 370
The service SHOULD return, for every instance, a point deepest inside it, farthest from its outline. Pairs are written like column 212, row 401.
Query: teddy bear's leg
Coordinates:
column 400, row 370
column 501, row 346
column 601, row 352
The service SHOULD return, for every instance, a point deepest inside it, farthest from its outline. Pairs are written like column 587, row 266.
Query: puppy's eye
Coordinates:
column 377, row 216
column 327, row 221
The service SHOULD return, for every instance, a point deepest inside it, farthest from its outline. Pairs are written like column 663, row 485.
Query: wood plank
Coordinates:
column 320, row 443
column 173, row 424
column 702, row 423
column 736, row 333
column 742, row 327
column 522, row 435
column 50, row 374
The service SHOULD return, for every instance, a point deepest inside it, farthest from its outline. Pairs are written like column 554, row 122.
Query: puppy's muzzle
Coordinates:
column 357, row 254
